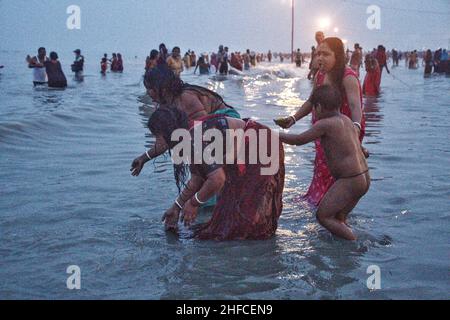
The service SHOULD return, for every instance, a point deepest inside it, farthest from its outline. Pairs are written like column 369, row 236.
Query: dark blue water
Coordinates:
column 67, row 196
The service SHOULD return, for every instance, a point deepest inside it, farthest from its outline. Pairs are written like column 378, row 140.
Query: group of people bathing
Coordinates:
column 221, row 61
column 115, row 63
column 177, row 64
column 249, row 204
column 174, row 61
column 439, row 62
column 48, row 70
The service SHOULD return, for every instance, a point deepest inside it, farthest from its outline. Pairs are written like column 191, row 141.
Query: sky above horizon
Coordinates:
column 137, row 26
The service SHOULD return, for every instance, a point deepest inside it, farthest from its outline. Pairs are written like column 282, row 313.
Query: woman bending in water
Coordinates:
column 170, row 91
column 249, row 202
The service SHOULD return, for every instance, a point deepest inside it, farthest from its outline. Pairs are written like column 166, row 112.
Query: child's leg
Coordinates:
column 334, row 207
column 343, row 214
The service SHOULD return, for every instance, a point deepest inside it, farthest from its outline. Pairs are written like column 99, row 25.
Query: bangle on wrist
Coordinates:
column 358, row 125
column 148, row 156
column 178, row 204
column 293, row 118
column 198, row 200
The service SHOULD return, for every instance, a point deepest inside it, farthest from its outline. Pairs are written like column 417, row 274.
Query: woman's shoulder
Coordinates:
column 188, row 93
column 349, row 72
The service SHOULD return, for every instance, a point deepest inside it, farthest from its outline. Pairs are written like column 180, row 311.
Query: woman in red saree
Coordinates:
column 249, row 202
column 333, row 71
column 371, row 85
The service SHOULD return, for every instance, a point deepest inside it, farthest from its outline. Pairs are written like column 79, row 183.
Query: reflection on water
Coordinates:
column 76, row 203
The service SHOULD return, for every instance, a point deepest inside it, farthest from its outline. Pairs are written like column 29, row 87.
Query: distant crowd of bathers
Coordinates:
column 221, row 62
column 48, row 71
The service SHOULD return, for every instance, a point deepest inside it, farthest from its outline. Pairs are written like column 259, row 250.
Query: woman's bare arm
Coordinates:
column 158, row 149
column 351, row 87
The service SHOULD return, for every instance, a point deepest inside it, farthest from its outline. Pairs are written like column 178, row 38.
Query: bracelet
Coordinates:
column 149, row 158
column 178, row 205
column 358, row 125
column 293, row 118
column 196, row 199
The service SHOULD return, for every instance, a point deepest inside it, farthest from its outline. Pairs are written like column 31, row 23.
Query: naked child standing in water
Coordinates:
column 345, row 159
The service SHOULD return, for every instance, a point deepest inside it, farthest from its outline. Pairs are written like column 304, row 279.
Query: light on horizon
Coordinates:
column 324, row 22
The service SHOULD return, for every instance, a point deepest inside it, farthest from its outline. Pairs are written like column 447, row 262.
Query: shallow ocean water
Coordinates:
column 67, row 196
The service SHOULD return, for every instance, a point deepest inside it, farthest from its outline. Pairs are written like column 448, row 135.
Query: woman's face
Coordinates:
column 325, row 57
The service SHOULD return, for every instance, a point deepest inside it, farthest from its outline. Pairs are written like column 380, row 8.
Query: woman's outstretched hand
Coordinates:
column 170, row 219
column 285, row 123
column 189, row 213
column 137, row 165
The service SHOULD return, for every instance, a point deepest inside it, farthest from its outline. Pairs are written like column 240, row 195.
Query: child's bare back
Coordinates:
column 342, row 147
column 345, row 159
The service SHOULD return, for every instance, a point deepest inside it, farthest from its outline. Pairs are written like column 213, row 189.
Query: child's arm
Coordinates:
column 317, row 131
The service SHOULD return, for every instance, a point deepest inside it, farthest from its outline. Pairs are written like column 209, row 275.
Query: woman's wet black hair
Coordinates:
column 162, row 78
column 328, row 96
column 163, row 122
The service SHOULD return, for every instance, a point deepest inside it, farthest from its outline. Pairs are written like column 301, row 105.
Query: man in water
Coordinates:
column 222, row 57
column 193, row 59
column 382, row 58
column 174, row 61
column 314, row 64
column 395, row 58
column 298, row 59
column 203, row 64
column 37, row 63
column 187, row 60
column 356, row 59
column 247, row 60
column 78, row 65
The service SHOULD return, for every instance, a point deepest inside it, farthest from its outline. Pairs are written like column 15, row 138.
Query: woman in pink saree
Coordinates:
column 333, row 71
